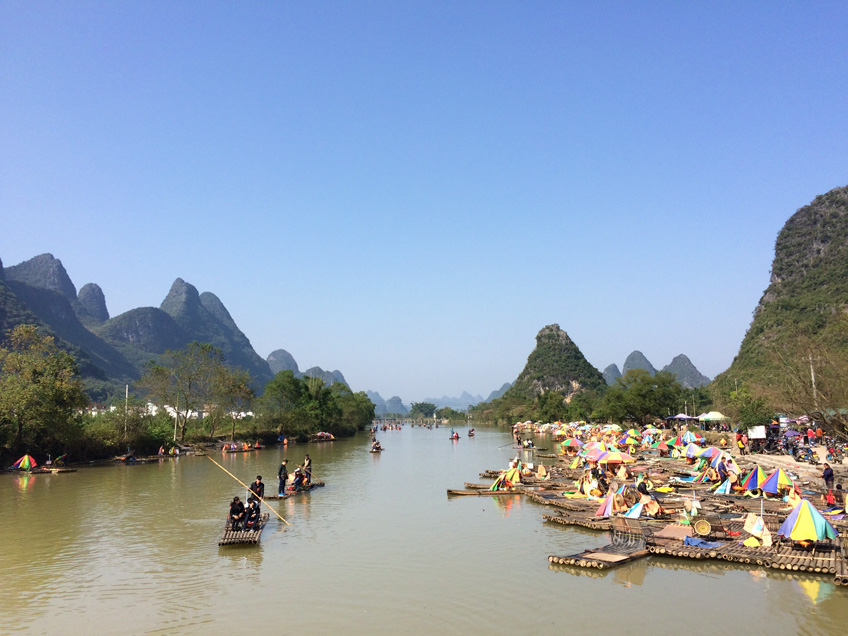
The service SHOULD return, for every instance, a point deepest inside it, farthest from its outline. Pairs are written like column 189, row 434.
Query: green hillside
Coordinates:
column 556, row 364
column 801, row 314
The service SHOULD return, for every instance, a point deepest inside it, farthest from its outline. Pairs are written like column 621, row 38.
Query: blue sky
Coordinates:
column 409, row 191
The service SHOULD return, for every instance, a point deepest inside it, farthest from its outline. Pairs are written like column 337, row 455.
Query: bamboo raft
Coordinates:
column 241, row 450
column 628, row 544
column 236, row 537
column 306, row 488
column 479, row 492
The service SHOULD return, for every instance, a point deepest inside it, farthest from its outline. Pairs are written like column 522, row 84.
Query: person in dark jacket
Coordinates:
column 257, row 487
column 827, row 475
column 283, row 475
column 251, row 518
column 236, row 514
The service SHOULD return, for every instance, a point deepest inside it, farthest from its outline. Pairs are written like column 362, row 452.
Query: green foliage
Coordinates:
column 748, row 411
column 298, row 407
column 40, row 393
column 806, row 296
column 422, row 409
column 447, row 413
column 640, row 396
column 193, row 380
column 555, row 364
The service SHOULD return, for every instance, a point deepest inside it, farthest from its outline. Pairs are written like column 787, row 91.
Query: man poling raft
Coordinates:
column 279, row 516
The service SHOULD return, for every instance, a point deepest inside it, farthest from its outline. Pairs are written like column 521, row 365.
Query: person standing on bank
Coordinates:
column 283, row 475
column 257, row 487
column 307, row 468
column 827, row 475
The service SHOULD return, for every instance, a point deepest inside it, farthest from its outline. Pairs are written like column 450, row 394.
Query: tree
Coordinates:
column 550, row 406
column 40, row 392
column 813, row 377
column 231, row 395
column 747, row 410
column 184, row 381
column 422, row 409
column 640, row 395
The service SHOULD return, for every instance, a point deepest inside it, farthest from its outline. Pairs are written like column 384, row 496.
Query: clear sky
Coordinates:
column 409, row 191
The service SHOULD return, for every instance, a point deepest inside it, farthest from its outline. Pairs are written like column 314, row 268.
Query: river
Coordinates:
column 379, row 550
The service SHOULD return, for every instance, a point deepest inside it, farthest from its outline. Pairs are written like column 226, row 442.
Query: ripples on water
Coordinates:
column 379, row 550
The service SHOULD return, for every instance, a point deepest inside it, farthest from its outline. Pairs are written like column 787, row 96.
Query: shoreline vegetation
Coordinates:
column 190, row 397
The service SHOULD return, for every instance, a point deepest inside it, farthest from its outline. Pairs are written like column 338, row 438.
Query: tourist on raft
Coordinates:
column 236, row 514
column 251, row 519
column 375, row 446
column 298, row 478
column 257, row 488
column 283, row 476
column 307, row 469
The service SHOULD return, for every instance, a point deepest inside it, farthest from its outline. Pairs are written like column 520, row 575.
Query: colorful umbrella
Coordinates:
column 755, row 479
column 660, row 445
column 25, row 463
column 689, row 437
column 805, row 523
column 573, row 442
column 775, row 480
column 711, row 452
column 676, row 442
column 614, row 456
column 692, row 450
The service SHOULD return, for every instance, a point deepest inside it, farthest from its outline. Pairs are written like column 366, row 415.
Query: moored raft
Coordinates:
column 479, row 492
column 236, row 537
column 306, row 488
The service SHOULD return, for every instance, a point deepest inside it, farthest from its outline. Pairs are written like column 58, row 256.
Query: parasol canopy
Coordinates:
column 692, row 450
column 805, row 523
column 711, row 452
column 755, row 479
column 25, row 463
column 614, row 456
column 777, row 479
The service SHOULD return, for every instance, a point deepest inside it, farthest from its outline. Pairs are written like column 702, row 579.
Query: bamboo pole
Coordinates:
column 248, row 488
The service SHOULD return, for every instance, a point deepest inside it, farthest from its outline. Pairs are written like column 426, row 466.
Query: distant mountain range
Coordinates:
column 681, row 367
column 112, row 351
column 395, row 405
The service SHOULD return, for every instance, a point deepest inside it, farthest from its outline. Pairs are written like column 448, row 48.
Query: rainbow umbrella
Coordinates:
column 692, row 450
column 613, row 456
column 711, row 452
column 660, row 445
column 633, row 433
column 676, row 442
column 689, row 437
column 805, row 523
column 25, row 463
column 573, row 442
column 754, row 480
column 775, row 480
